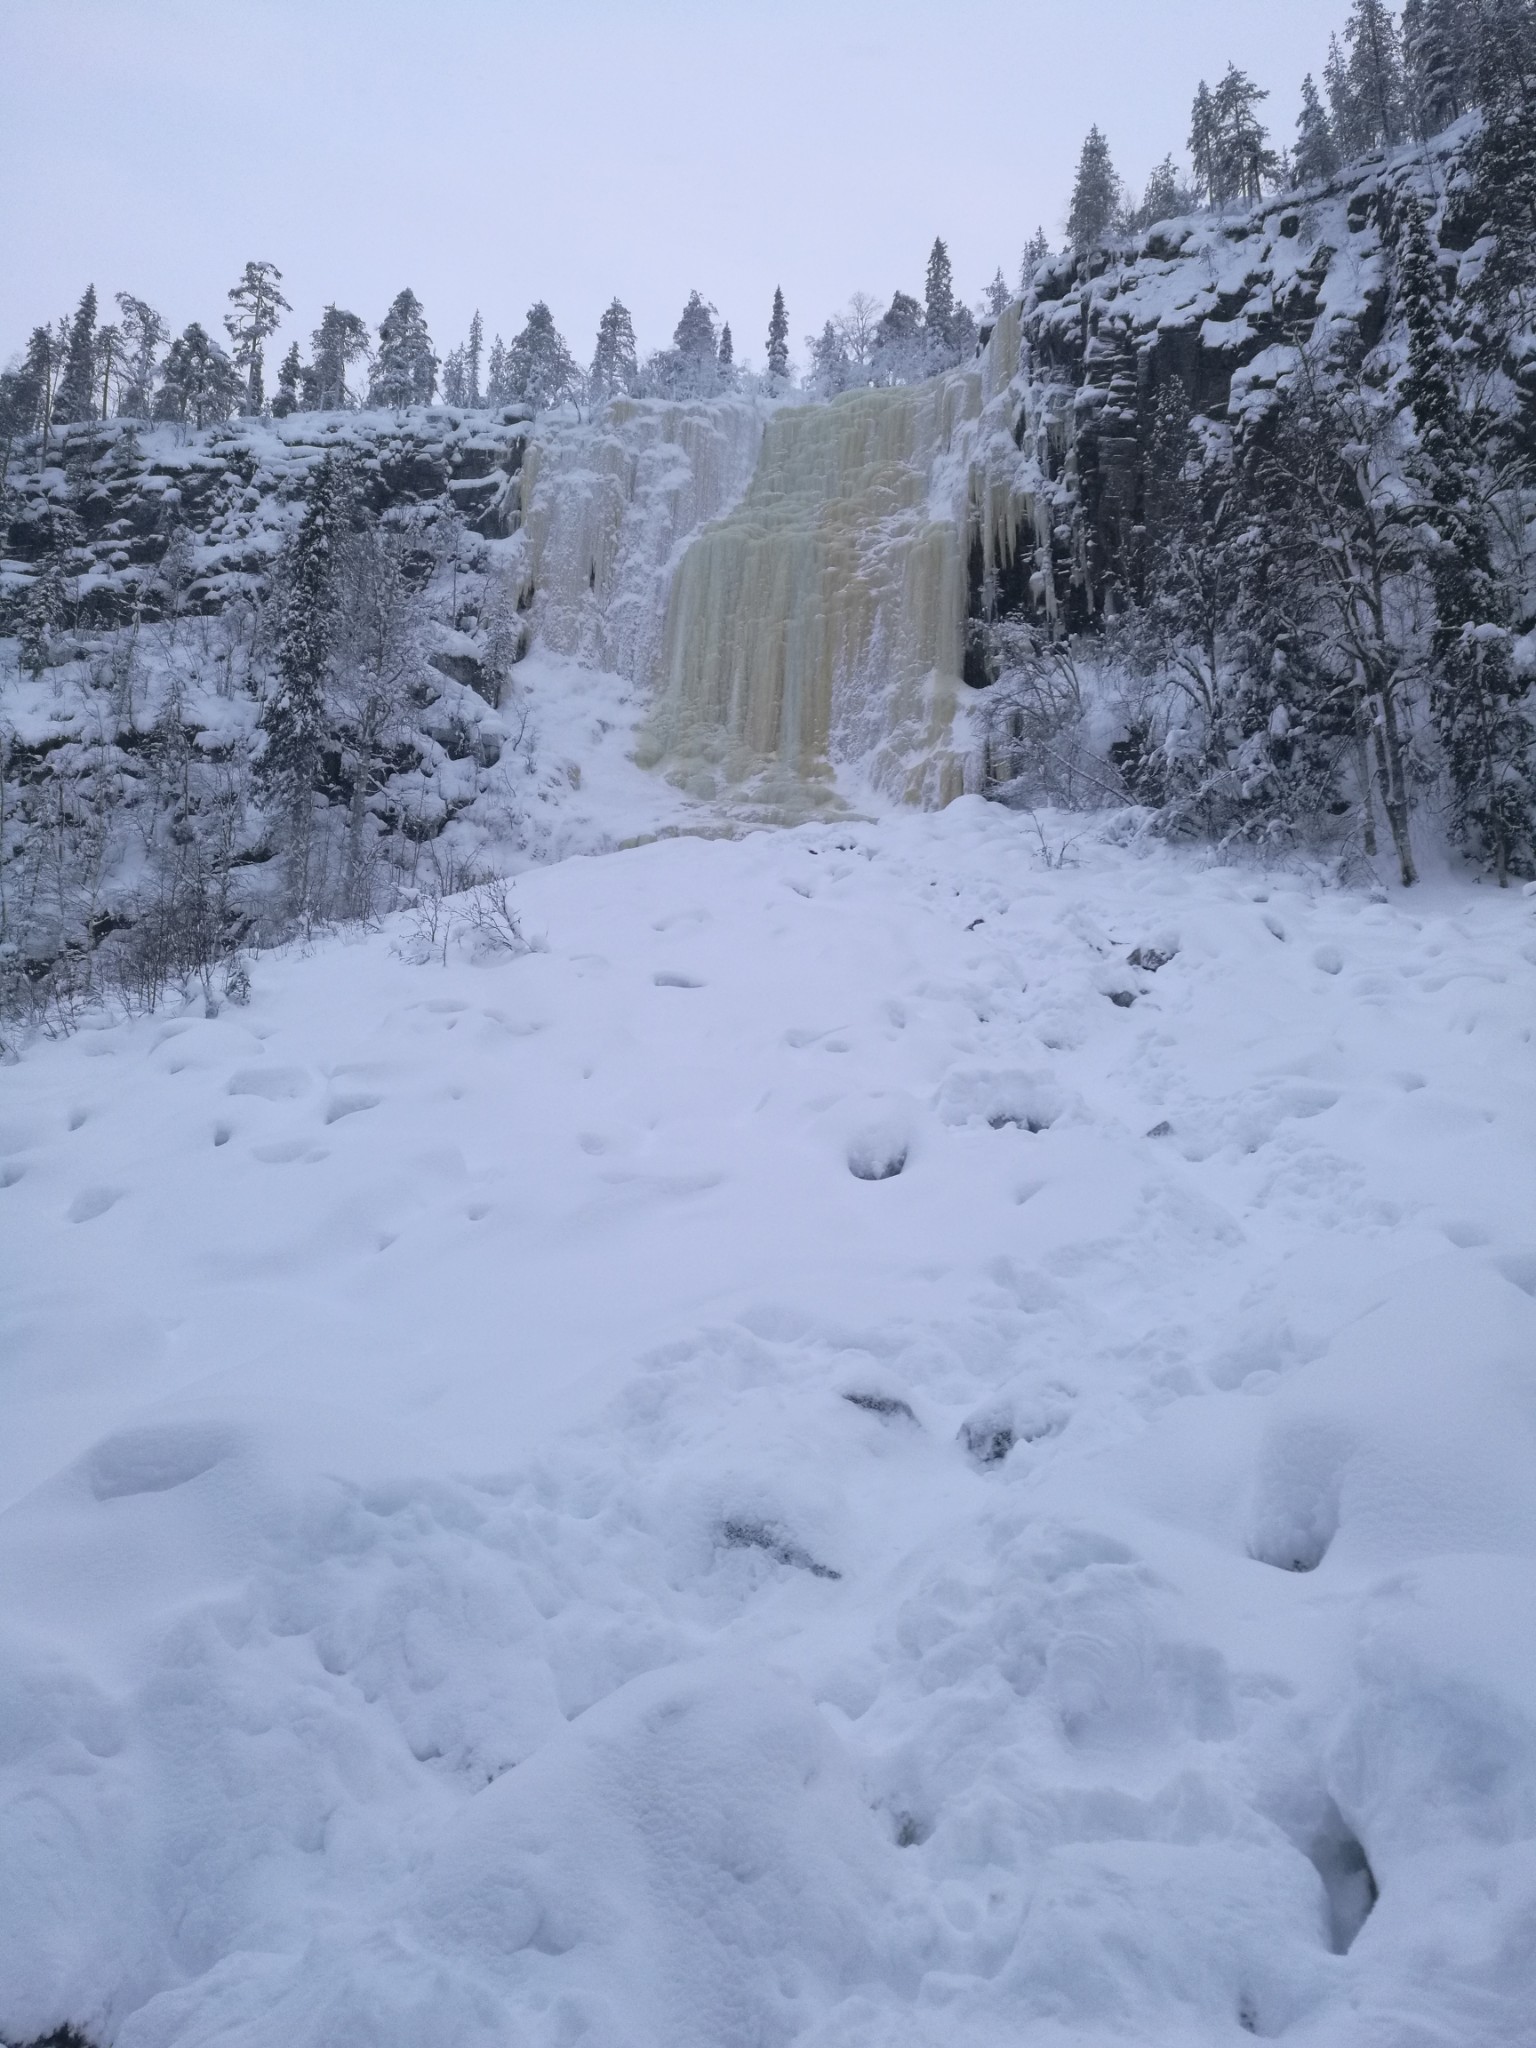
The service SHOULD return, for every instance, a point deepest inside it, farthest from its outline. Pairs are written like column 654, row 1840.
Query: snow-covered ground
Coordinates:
column 514, row 1534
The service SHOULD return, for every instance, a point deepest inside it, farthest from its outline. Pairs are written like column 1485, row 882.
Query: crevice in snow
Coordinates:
column 1338, row 1856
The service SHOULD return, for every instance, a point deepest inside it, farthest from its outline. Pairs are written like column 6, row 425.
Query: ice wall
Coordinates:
column 821, row 624
column 602, row 507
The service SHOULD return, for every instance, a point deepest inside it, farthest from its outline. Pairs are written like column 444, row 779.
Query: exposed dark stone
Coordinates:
column 987, row 1438
column 737, row 1534
column 881, row 1404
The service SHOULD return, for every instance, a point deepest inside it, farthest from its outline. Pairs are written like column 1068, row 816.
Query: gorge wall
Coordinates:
column 805, row 591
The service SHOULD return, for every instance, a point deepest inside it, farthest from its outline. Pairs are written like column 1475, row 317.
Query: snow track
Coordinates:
column 880, row 1444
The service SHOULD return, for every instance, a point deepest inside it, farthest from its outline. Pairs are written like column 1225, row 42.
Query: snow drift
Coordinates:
column 507, row 1538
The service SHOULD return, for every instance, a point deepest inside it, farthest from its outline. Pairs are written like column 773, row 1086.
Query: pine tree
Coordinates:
column 1375, row 73
column 1439, row 40
column 691, row 367
column 109, row 364
column 1203, row 140
column 829, row 361
column 259, row 305
column 498, row 383
column 76, row 395
column 339, row 340
column 615, row 367
column 20, row 402
column 1235, row 143
column 778, row 340
column 294, row 719
column 41, row 614
column 144, row 334
column 200, row 383
column 1037, row 251
column 473, row 349
column 289, row 377
column 1095, row 194
column 456, row 377
column 1488, row 741
column 998, row 297
column 1351, row 131
column 725, row 359
column 1165, row 197
column 540, row 368
column 1325, row 469
column 938, row 293
column 33, row 393
column 1502, row 199
column 899, row 355
column 405, row 370
column 1316, row 157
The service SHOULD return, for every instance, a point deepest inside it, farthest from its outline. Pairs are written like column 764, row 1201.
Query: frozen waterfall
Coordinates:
column 790, row 584
column 821, row 623
column 602, row 507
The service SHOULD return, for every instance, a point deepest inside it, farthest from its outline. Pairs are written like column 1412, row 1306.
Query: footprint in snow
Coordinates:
column 275, row 1084
column 349, row 1105
column 286, row 1151
column 93, row 1202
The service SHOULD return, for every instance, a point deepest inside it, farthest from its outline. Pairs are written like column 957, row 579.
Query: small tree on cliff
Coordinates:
column 1315, row 158
column 615, row 366
column 339, row 340
column 778, row 340
column 540, row 368
column 76, row 396
column 295, row 718
column 1095, row 194
column 405, row 370
column 259, row 305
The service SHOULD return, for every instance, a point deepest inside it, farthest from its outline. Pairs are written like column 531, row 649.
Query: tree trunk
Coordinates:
column 1363, row 777
column 1394, row 790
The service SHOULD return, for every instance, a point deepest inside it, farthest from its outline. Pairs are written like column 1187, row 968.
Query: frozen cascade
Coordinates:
column 821, row 624
column 602, row 507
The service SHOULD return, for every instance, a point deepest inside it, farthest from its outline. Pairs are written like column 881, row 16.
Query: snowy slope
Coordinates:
column 510, row 1535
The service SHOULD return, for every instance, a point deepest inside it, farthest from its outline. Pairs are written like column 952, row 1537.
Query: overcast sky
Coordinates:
column 493, row 152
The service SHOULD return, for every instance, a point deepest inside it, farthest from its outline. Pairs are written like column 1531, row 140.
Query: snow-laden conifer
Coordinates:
column 339, row 340
column 199, row 383
column 144, row 335
column 778, row 340
column 76, row 395
column 1315, row 158
column 541, row 370
column 258, row 307
column 615, row 367
column 405, row 368
column 1095, row 194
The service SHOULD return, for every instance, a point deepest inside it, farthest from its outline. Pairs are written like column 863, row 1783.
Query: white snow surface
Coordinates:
column 514, row 1533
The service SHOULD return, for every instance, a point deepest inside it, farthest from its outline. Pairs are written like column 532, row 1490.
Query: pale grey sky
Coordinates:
column 493, row 152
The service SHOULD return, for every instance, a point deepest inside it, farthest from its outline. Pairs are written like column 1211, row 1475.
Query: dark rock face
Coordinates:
column 1201, row 311
column 109, row 500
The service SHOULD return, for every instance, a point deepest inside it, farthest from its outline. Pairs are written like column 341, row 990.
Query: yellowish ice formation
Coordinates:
column 820, row 625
